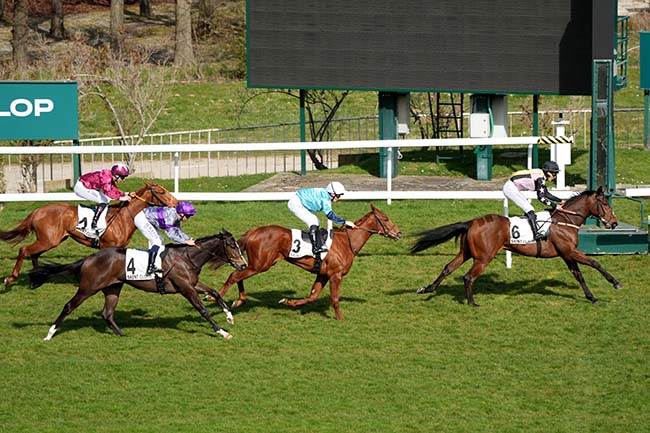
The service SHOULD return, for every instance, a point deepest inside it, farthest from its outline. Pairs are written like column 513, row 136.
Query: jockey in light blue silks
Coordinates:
column 154, row 218
column 533, row 180
column 308, row 200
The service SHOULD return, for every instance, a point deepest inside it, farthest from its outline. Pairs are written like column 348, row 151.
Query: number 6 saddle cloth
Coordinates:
column 522, row 233
column 301, row 243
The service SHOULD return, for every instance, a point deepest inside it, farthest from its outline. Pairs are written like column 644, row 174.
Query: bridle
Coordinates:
column 226, row 255
column 599, row 211
column 378, row 224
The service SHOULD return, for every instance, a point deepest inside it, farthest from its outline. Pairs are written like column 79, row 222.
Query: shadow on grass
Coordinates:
column 488, row 285
column 270, row 300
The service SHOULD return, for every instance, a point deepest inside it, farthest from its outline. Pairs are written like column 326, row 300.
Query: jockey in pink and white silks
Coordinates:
column 533, row 180
column 308, row 200
column 154, row 218
column 101, row 186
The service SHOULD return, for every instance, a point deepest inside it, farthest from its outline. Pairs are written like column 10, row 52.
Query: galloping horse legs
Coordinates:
column 238, row 277
column 33, row 251
column 202, row 288
column 111, row 298
column 68, row 308
column 316, row 289
column 477, row 269
column 579, row 257
column 191, row 295
column 450, row 267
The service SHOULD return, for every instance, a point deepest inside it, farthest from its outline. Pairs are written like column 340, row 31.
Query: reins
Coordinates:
column 371, row 231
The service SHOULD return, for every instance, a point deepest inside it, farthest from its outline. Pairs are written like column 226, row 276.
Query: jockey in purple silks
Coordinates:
column 152, row 219
column 101, row 186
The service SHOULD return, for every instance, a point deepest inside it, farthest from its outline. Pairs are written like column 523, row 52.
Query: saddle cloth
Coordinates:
column 85, row 215
column 522, row 233
column 136, row 263
column 301, row 243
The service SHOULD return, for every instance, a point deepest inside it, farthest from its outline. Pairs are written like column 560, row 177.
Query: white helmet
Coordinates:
column 335, row 188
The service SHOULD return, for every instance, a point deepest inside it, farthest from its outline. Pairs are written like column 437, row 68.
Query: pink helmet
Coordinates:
column 120, row 169
column 185, row 208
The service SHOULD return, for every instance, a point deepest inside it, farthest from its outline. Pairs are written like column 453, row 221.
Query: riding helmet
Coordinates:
column 120, row 169
column 185, row 208
column 551, row 167
column 336, row 188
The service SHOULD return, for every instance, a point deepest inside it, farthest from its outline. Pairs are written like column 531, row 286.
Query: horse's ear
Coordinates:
column 600, row 190
column 372, row 206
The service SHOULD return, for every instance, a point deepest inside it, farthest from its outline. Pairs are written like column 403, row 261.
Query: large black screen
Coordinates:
column 506, row 46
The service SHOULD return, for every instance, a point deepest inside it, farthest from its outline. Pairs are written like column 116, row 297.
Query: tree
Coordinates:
column 117, row 23
column 56, row 23
column 145, row 8
column 183, row 52
column 20, row 35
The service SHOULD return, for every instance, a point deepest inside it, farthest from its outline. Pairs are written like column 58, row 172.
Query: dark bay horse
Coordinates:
column 105, row 271
column 54, row 223
column 482, row 238
column 268, row 244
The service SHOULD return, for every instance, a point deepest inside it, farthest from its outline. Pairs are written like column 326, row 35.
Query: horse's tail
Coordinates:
column 16, row 235
column 433, row 237
column 46, row 272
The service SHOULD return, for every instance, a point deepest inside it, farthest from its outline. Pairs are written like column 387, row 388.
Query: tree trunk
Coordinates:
column 183, row 54
column 56, row 23
column 117, row 24
column 20, row 32
column 3, row 8
column 145, row 8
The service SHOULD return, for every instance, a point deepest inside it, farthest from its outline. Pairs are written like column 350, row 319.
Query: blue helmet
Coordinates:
column 551, row 167
column 185, row 208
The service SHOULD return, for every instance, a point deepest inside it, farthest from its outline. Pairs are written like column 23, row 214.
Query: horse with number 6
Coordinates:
column 106, row 271
column 482, row 238
column 54, row 223
column 266, row 245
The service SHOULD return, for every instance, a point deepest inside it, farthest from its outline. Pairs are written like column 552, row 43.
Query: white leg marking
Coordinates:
column 50, row 333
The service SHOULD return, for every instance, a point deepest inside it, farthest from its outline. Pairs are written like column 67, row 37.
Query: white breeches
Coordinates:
column 511, row 192
column 149, row 231
column 301, row 212
column 90, row 194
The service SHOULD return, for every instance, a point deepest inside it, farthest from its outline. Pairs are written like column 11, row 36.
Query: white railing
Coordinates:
column 174, row 165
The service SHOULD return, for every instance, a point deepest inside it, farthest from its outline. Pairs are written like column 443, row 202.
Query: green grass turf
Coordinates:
column 536, row 356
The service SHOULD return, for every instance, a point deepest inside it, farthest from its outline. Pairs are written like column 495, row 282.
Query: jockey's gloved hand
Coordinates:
column 351, row 224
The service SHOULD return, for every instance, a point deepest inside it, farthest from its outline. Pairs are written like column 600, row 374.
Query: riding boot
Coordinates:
column 316, row 244
column 532, row 220
column 160, row 285
column 98, row 211
column 151, row 266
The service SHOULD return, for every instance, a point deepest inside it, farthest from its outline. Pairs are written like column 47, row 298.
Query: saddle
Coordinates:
column 522, row 233
column 85, row 217
column 301, row 243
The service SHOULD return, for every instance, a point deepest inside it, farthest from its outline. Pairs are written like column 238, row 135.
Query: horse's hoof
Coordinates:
column 208, row 298
column 422, row 290
column 283, row 301
column 618, row 286
column 225, row 334
column 236, row 303
column 230, row 319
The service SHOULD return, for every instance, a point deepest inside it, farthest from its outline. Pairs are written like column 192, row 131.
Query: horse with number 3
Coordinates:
column 482, row 238
column 267, row 245
column 54, row 223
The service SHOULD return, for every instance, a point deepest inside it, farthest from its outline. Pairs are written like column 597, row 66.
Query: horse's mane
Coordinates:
column 579, row 196
column 198, row 241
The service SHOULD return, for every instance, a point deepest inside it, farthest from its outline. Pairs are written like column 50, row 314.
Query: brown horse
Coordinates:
column 268, row 244
column 482, row 238
column 54, row 223
column 105, row 271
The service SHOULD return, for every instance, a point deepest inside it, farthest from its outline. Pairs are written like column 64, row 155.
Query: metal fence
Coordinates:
column 55, row 171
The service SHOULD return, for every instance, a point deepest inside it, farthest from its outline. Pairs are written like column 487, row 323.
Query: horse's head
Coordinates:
column 156, row 195
column 384, row 226
column 602, row 210
column 233, row 252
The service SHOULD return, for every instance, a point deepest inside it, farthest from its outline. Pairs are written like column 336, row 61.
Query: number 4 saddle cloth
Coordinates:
column 301, row 243
column 522, row 233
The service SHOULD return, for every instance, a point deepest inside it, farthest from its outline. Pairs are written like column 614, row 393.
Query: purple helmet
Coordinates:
column 120, row 169
column 185, row 208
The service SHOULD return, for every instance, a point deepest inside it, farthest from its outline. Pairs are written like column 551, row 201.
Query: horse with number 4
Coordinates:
column 54, row 223
column 482, row 238
column 266, row 245
column 107, row 271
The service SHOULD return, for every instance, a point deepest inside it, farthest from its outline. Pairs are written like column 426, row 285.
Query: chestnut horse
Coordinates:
column 105, row 271
column 268, row 244
column 482, row 238
column 54, row 223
